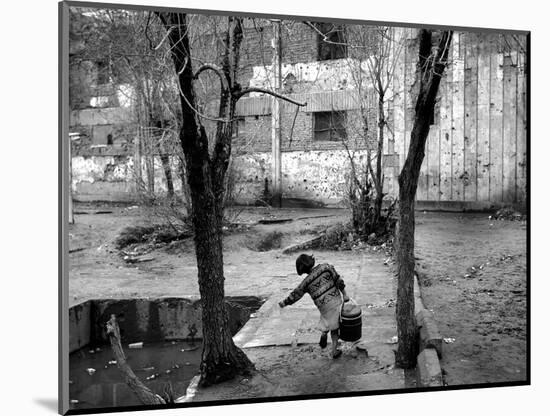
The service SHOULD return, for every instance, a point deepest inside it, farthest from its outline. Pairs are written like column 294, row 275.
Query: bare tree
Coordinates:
column 221, row 359
column 432, row 60
column 119, row 44
column 372, row 55
column 377, row 51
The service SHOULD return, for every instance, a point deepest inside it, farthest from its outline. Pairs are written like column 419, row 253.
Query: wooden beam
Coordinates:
column 495, row 112
column 470, row 116
column 483, row 118
column 509, row 126
column 457, row 126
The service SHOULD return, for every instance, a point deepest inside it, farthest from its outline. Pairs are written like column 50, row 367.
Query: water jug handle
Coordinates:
column 351, row 301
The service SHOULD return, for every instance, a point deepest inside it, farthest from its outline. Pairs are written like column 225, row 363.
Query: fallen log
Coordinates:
column 306, row 245
column 144, row 394
column 275, row 221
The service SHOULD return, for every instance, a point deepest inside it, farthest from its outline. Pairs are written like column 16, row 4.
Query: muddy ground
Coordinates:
column 253, row 261
column 481, row 310
column 473, row 273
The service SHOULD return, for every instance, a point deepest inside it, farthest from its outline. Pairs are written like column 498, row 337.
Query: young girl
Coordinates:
column 327, row 289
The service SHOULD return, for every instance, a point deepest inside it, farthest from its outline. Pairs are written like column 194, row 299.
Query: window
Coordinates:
column 329, row 126
column 102, row 72
column 331, row 42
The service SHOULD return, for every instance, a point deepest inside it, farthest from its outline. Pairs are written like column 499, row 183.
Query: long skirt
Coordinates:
column 330, row 314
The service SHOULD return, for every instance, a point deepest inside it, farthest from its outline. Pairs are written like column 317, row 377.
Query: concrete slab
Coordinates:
column 368, row 282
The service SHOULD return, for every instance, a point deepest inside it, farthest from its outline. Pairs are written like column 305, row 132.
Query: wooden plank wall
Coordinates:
column 476, row 149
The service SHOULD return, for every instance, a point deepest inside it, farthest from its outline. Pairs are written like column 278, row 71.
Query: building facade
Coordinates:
column 476, row 152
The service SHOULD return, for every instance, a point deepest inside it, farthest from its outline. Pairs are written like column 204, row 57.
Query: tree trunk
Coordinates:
column 430, row 69
column 221, row 359
column 165, row 160
column 379, row 180
column 406, row 324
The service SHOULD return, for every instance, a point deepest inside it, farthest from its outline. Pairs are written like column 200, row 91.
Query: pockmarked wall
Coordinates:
column 476, row 153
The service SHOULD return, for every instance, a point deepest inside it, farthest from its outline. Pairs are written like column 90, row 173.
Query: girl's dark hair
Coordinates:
column 304, row 264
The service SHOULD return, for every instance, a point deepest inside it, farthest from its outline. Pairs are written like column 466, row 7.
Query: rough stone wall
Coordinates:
column 320, row 175
column 112, row 178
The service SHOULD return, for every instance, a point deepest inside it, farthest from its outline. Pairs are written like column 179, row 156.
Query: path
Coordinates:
column 283, row 343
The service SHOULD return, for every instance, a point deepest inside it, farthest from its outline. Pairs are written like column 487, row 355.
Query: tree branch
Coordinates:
column 145, row 395
column 240, row 93
column 218, row 72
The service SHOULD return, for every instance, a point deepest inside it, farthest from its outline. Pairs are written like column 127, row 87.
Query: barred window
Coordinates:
column 329, row 126
column 331, row 44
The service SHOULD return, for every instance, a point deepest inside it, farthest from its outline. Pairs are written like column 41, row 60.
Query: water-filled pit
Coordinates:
column 96, row 381
column 170, row 330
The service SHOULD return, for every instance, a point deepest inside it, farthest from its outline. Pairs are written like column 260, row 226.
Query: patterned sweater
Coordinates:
column 323, row 284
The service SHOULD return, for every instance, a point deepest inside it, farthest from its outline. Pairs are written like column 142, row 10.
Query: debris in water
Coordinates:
column 92, row 351
column 449, row 340
column 168, row 371
column 90, row 371
column 136, row 345
column 112, row 362
column 97, row 349
column 74, row 401
column 190, row 349
column 152, row 376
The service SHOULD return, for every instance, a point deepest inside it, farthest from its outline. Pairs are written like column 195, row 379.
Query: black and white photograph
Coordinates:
column 262, row 208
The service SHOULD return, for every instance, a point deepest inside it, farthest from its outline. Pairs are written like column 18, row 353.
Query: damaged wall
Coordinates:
column 112, row 178
column 318, row 175
column 475, row 153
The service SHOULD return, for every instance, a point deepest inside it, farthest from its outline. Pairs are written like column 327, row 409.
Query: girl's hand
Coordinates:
column 281, row 304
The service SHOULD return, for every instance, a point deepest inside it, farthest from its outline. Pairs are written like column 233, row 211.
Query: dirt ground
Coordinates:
column 473, row 275
column 288, row 371
column 97, row 270
column 482, row 310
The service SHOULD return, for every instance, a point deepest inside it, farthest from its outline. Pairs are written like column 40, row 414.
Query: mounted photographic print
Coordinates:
column 260, row 208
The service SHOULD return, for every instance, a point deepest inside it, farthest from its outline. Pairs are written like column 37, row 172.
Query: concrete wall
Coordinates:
column 320, row 175
column 112, row 178
column 149, row 320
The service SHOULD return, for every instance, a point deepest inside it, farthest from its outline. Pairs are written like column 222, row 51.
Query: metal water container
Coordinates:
column 350, row 322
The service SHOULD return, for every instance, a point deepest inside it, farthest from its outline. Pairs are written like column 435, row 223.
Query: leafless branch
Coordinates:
column 156, row 48
column 218, row 72
column 240, row 93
